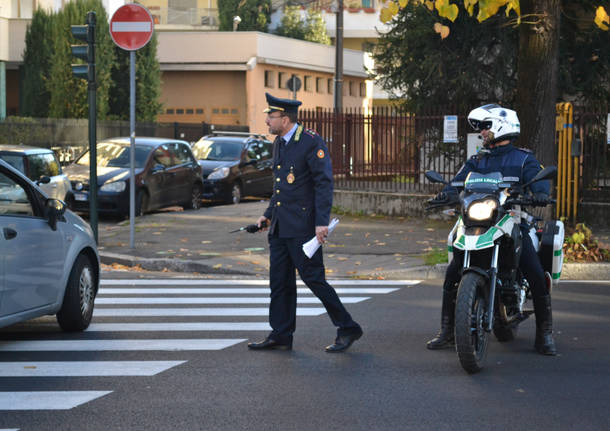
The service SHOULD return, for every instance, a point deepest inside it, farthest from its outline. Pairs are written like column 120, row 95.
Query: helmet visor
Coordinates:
column 479, row 125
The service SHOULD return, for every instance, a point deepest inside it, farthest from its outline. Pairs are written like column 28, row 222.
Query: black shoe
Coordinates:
column 342, row 342
column 545, row 345
column 269, row 344
column 443, row 340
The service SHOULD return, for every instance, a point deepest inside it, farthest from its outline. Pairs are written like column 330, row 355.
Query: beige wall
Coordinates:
column 221, row 96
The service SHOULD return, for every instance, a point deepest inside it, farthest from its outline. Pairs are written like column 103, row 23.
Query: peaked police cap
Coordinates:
column 281, row 105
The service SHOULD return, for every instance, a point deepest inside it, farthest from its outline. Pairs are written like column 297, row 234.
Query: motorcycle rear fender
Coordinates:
column 486, row 240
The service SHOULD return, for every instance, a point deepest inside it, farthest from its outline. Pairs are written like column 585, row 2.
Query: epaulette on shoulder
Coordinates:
column 310, row 132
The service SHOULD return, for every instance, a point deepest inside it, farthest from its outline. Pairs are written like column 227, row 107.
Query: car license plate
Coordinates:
column 80, row 196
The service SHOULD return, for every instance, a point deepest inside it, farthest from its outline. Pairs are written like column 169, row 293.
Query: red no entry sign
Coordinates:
column 131, row 27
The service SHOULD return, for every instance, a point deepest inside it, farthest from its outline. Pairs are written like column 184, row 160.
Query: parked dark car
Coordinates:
column 235, row 165
column 165, row 169
column 36, row 164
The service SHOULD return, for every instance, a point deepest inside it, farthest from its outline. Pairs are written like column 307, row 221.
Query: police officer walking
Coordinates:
column 499, row 128
column 298, row 210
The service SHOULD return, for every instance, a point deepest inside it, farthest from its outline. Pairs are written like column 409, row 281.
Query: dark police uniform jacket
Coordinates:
column 302, row 185
column 510, row 161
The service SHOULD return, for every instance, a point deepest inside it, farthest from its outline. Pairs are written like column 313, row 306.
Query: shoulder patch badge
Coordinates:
column 320, row 154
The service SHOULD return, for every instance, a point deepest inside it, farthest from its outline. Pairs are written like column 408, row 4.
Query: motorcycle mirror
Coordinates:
column 545, row 174
column 435, row 177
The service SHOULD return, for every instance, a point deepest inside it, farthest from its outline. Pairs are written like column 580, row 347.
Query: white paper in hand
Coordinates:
column 311, row 246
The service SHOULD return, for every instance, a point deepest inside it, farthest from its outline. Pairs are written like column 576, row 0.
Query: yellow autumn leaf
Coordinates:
column 601, row 18
column 469, row 6
column 393, row 8
column 430, row 5
column 443, row 30
column 385, row 15
column 403, row 3
column 446, row 10
column 489, row 8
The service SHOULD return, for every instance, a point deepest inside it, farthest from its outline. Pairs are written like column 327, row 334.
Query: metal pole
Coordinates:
column 91, row 20
column 132, row 147
column 339, row 59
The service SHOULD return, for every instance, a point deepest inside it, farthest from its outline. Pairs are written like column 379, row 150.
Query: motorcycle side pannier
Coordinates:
column 551, row 249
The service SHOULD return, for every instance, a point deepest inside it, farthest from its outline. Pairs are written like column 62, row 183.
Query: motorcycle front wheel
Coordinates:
column 471, row 339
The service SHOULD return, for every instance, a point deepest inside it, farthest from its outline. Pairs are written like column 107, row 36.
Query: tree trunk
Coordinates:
column 538, row 67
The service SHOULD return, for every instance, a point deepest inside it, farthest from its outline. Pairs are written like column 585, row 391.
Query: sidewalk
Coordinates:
column 199, row 243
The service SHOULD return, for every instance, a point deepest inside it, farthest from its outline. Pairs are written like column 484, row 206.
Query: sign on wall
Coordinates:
column 450, row 129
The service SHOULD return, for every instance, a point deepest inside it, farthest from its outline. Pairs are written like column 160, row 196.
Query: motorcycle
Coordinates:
column 486, row 238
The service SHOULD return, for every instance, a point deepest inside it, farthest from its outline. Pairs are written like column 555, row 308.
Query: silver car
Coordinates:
column 39, row 165
column 49, row 262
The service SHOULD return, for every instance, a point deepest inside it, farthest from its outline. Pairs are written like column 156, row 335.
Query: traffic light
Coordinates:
column 85, row 52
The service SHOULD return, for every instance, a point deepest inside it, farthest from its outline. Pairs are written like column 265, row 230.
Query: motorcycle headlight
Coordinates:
column 482, row 210
column 219, row 173
column 116, row 187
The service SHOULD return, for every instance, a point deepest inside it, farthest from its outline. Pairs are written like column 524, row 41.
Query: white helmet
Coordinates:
column 502, row 123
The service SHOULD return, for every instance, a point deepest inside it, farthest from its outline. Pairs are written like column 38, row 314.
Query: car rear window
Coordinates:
column 217, row 150
column 15, row 160
column 40, row 165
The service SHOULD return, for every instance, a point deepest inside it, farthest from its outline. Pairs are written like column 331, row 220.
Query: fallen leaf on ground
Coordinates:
column 206, row 242
column 184, row 240
column 218, row 265
column 366, row 235
column 381, row 243
column 348, row 234
column 342, row 258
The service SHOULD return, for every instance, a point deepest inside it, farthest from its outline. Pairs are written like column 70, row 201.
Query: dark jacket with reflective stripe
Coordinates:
column 302, row 185
column 509, row 161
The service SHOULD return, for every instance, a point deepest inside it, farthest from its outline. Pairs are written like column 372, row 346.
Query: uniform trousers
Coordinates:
column 286, row 254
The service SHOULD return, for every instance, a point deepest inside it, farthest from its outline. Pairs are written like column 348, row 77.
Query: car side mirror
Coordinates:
column 157, row 168
column 55, row 209
column 43, row 180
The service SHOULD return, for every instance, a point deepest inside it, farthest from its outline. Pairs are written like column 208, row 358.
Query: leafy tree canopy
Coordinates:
column 254, row 14
column 308, row 26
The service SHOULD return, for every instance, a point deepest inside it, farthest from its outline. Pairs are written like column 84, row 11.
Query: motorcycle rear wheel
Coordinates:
column 471, row 339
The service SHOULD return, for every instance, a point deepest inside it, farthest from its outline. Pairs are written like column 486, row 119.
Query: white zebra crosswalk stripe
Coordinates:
column 233, row 290
column 47, row 400
column 179, row 326
column 257, row 282
column 217, row 300
column 245, row 311
column 85, row 368
column 117, row 345
column 152, row 301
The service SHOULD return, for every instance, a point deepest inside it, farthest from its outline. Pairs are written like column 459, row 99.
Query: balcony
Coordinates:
column 178, row 18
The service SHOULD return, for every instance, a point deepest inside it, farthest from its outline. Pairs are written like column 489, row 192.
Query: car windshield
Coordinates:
column 217, row 150
column 115, row 155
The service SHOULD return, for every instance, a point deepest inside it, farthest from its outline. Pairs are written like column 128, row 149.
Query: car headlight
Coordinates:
column 116, row 187
column 219, row 173
column 482, row 210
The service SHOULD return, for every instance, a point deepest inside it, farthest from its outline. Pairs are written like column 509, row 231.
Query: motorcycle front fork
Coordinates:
column 493, row 275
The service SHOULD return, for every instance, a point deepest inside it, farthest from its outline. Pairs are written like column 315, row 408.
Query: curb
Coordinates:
column 160, row 264
column 571, row 271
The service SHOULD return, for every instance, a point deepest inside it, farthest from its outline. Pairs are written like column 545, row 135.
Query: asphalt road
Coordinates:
column 388, row 380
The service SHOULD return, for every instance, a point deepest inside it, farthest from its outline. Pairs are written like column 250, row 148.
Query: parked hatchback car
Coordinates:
column 235, row 165
column 165, row 169
column 39, row 165
column 49, row 262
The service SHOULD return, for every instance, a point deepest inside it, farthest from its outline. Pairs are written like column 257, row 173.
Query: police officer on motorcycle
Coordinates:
column 499, row 127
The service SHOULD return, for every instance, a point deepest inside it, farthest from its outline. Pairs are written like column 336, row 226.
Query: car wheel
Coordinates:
column 142, row 203
column 77, row 309
column 235, row 195
column 196, row 196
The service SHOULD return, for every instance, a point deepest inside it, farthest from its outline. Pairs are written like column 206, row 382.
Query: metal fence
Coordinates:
column 388, row 151
column 590, row 128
